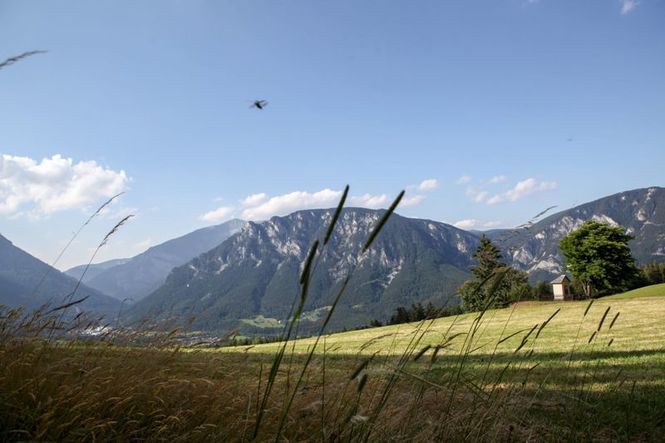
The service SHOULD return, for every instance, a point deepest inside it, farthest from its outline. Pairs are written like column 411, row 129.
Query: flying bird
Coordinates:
column 259, row 104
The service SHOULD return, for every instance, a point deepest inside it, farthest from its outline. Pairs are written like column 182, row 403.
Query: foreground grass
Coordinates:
column 590, row 376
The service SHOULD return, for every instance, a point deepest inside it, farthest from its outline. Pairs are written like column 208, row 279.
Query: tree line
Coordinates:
column 597, row 255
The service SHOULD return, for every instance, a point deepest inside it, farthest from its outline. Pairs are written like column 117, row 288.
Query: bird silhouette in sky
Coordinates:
column 259, row 104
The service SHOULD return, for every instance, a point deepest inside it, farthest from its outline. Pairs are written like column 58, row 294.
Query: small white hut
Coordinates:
column 561, row 288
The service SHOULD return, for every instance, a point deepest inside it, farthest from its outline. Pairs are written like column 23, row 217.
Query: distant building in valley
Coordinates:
column 561, row 288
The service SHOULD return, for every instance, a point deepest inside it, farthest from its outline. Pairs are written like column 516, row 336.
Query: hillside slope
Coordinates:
column 20, row 277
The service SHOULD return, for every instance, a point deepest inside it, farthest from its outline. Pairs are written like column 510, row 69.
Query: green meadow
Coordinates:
column 538, row 371
column 638, row 327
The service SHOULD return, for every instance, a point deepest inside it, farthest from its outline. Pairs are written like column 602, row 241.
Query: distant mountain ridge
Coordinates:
column 20, row 277
column 640, row 211
column 136, row 277
column 94, row 269
column 255, row 272
column 246, row 274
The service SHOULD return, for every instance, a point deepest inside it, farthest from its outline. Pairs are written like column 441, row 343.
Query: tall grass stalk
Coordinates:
column 11, row 60
column 373, row 234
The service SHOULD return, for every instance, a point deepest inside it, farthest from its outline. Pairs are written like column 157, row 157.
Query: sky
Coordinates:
column 486, row 112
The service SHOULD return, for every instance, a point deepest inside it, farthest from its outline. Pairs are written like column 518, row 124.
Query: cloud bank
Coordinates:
column 520, row 190
column 54, row 184
column 218, row 215
column 472, row 223
column 262, row 206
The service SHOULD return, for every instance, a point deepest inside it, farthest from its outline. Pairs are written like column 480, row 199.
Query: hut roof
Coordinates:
column 560, row 279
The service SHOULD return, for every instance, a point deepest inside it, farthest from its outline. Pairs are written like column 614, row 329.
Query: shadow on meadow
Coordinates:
column 81, row 390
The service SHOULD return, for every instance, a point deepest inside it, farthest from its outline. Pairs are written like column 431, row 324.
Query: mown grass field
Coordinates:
column 591, row 373
column 640, row 326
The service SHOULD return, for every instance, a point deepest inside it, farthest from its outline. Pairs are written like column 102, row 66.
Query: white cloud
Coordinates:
column 521, row 190
column 409, row 201
column 218, row 215
column 472, row 223
column 477, row 195
column 143, row 245
column 497, row 179
column 628, row 5
column 491, row 224
column 287, row 203
column 254, row 199
column 370, row 201
column 54, row 184
column 414, row 193
column 267, row 207
column 262, row 206
column 463, row 179
column 480, row 197
column 517, row 192
column 428, row 185
column 467, row 223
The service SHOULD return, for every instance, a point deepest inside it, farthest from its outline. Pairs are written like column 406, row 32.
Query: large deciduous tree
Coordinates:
column 598, row 256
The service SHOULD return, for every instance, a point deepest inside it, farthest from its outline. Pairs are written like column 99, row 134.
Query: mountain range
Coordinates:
column 245, row 274
column 251, row 278
column 253, row 275
column 133, row 278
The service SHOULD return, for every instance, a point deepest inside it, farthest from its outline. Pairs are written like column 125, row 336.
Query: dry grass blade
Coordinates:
column 14, row 59
column 308, row 263
column 546, row 322
column 543, row 212
column 526, row 338
column 67, row 305
column 359, row 368
column 508, row 337
column 586, row 311
column 277, row 361
column 336, row 215
column 71, row 240
column 614, row 320
column 115, row 229
column 382, row 222
column 602, row 319
column 103, row 242
column 305, row 279
column 362, row 382
column 422, row 352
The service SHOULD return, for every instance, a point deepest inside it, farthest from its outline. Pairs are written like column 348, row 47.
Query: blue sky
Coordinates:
column 487, row 111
